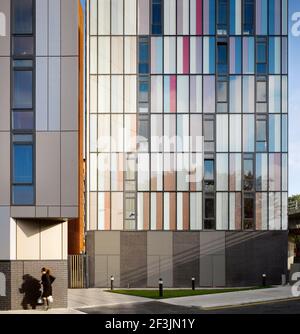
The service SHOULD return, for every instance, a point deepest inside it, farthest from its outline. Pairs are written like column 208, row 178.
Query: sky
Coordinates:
column 294, row 101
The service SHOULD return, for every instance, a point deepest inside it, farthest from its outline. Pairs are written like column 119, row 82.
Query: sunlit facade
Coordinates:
column 179, row 71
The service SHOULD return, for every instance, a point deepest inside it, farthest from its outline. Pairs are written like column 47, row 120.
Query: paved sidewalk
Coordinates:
column 233, row 298
column 99, row 297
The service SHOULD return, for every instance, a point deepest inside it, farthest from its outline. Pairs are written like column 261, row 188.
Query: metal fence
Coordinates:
column 77, row 271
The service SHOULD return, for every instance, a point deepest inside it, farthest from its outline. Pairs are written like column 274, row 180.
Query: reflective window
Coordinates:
column 22, row 16
column 23, row 46
column 157, row 17
column 209, row 213
column 22, row 89
column 248, row 15
column 143, row 56
column 23, row 120
column 22, row 195
column 261, row 133
column 222, row 6
column 209, row 175
column 261, row 56
column 249, row 213
column 248, row 173
column 22, row 164
column 222, row 57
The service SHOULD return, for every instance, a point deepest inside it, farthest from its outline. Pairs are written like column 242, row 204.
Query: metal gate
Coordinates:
column 77, row 271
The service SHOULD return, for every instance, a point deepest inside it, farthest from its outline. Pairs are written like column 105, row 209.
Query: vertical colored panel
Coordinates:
column 196, row 17
column 170, row 17
column 235, row 91
column 209, row 105
column 209, row 17
column 284, row 185
column 274, row 133
column 183, row 94
column 284, row 12
column 222, row 211
column 196, row 94
column 195, row 211
column 274, row 172
column 261, row 17
column 248, row 94
column 248, row 135
column 143, row 17
column 235, row 17
column 169, row 55
column 183, row 17
column 235, row 55
column 156, row 94
column 274, row 17
column 261, row 172
column 284, row 147
column 183, row 55
column 235, row 211
column 235, row 135
column 235, row 176
column 274, row 55
column 248, row 55
column 156, row 55
column 274, row 94
column 196, row 55
column 209, row 55
column 261, row 211
column 170, row 93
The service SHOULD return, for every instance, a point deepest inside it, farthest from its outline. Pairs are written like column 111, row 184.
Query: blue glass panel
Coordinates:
column 22, row 14
column 209, row 170
column 248, row 17
column 23, row 195
column 22, row 164
column 22, row 89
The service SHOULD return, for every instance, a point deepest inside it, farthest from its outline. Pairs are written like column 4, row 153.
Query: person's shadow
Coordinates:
column 31, row 288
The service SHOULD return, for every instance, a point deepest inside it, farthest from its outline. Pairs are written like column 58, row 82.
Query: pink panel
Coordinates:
column 199, row 17
column 173, row 93
column 186, row 55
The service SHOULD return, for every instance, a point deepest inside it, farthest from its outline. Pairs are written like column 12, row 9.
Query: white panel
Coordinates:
column 42, row 94
column 51, row 242
column 54, row 27
column 166, row 211
column 54, row 93
column 153, row 211
column 103, row 17
column 140, row 222
column 130, row 17
column 42, row 27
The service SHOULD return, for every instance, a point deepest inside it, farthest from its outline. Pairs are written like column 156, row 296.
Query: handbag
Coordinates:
column 50, row 299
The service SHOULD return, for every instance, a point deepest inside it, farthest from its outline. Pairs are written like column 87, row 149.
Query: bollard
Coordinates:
column 112, row 282
column 283, row 279
column 193, row 283
column 264, row 280
column 161, row 287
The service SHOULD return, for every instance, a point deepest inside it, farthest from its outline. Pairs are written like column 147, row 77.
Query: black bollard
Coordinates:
column 264, row 280
column 193, row 283
column 112, row 282
column 161, row 287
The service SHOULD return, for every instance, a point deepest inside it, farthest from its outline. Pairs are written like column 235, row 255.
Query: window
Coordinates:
column 209, row 213
column 22, row 16
column 22, row 89
column 248, row 15
column 143, row 55
column 248, row 172
column 209, row 175
column 22, row 177
column 209, row 133
column 261, row 95
column 22, row 120
column 156, row 17
column 23, row 46
column 222, row 94
column 261, row 56
column 261, row 133
column 222, row 17
column 249, row 212
column 222, row 57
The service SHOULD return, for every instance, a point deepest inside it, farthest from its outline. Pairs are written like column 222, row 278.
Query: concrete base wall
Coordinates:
column 19, row 283
column 139, row 259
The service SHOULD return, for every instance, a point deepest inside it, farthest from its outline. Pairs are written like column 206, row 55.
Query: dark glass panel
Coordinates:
column 22, row 164
column 22, row 16
column 22, row 195
column 22, row 90
column 23, row 46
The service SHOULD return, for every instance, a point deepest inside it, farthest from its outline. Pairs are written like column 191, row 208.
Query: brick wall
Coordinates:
column 23, row 279
column 5, row 301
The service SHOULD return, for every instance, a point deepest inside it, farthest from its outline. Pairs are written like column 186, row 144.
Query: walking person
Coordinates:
column 47, row 289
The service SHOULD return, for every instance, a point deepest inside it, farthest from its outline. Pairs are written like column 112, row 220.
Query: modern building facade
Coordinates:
column 162, row 203
column 39, row 144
